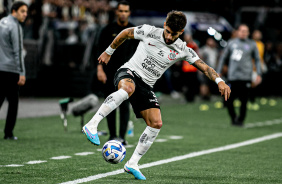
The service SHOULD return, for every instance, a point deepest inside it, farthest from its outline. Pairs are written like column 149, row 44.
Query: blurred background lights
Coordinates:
column 211, row 31
column 217, row 36
column 223, row 43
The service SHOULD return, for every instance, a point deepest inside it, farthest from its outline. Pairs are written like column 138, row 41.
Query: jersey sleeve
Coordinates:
column 141, row 32
column 190, row 55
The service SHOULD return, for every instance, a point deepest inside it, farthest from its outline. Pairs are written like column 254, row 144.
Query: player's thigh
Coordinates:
column 152, row 117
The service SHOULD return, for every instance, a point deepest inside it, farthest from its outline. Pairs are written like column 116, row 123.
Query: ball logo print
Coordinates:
column 113, row 152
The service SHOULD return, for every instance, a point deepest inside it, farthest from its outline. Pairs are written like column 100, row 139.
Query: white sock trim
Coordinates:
column 125, row 94
column 153, row 129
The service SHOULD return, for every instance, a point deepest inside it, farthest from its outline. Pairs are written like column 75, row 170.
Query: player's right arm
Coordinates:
column 119, row 39
column 101, row 75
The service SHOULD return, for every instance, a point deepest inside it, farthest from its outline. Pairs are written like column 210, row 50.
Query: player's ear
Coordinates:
column 181, row 31
column 164, row 24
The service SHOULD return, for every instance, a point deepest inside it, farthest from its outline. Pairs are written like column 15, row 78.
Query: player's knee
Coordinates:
column 128, row 89
column 156, row 124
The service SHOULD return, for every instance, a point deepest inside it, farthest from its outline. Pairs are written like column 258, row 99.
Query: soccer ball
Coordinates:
column 113, row 152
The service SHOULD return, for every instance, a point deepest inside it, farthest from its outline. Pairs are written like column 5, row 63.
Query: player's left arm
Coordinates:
column 212, row 75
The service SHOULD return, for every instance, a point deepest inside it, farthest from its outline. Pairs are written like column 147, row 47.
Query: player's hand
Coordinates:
column 258, row 80
column 104, row 58
column 21, row 81
column 101, row 75
column 224, row 90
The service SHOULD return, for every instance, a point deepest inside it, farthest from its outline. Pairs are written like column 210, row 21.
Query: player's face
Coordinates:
column 170, row 36
column 243, row 32
column 21, row 14
column 123, row 13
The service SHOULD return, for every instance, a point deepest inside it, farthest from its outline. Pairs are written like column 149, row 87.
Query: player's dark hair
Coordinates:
column 176, row 20
column 123, row 2
column 16, row 5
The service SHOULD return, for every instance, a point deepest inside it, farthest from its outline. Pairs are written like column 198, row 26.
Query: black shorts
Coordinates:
column 143, row 97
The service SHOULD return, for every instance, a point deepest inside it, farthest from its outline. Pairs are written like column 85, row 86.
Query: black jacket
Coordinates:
column 122, row 54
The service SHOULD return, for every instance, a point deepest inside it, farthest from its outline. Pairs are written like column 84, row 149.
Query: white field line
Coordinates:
column 60, row 157
column 160, row 140
column 14, row 165
column 177, row 158
column 84, row 153
column 36, row 162
column 266, row 123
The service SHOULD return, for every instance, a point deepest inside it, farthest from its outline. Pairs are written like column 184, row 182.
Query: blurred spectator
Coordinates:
column 238, row 56
column 46, row 43
column 257, row 37
column 69, row 22
column 209, row 53
column 189, row 72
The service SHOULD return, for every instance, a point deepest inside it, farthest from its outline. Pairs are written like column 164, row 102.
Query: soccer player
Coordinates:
column 157, row 51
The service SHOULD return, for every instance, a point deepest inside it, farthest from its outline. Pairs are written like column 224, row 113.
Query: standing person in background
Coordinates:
column 238, row 55
column 12, row 69
column 257, row 36
column 106, row 74
column 189, row 72
column 209, row 53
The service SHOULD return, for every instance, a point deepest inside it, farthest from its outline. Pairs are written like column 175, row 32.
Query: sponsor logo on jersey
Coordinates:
column 153, row 100
column 151, row 44
column 161, row 53
column 153, row 36
column 149, row 66
column 150, row 60
column 140, row 32
column 139, row 27
column 192, row 52
column 172, row 55
column 151, row 69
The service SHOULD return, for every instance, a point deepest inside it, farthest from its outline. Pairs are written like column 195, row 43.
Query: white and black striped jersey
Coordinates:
column 153, row 56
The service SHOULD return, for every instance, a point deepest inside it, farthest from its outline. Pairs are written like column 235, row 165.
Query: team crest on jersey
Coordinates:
column 172, row 55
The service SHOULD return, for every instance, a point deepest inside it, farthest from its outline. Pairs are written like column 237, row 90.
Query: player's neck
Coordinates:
column 123, row 24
